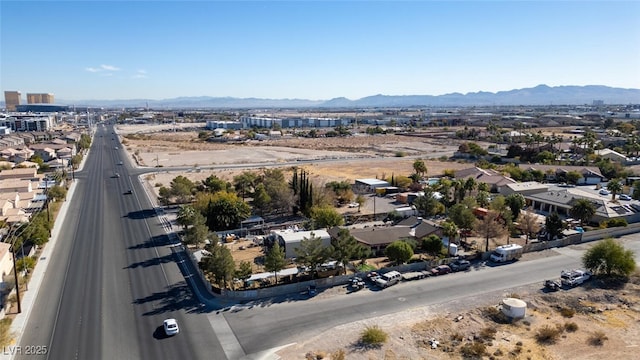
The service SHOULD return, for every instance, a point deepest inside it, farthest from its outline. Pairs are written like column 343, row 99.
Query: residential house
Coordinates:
column 377, row 238
column 523, row 188
column 20, row 173
column 290, row 239
column 6, row 260
column 612, row 155
column 493, row 178
column 591, row 175
column 561, row 201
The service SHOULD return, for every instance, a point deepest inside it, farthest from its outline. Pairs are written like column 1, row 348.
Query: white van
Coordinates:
column 388, row 279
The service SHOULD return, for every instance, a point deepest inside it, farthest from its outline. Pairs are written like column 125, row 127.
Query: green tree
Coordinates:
column 428, row 205
column 312, row 253
column 186, row 216
column 516, row 203
column 261, row 199
column 198, row 232
column 432, row 244
column 483, row 198
column 462, row 216
column 213, row 184
column 225, row 211
column 583, row 210
column 399, row 251
column 553, row 225
column 244, row 272
column 345, row 248
column 275, row 261
column 615, row 187
column 325, row 217
column 419, row 167
column 84, row 142
column 573, row 177
column 56, row 193
column 220, row 264
column 25, row 263
column 182, row 189
column 245, row 183
column 610, row 258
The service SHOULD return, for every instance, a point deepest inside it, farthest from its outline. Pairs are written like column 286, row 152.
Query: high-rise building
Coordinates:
column 12, row 99
column 39, row 98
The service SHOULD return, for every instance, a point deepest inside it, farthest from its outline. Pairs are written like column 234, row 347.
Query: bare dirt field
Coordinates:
column 326, row 159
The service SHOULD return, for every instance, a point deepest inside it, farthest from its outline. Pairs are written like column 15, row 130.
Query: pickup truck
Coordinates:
column 573, row 278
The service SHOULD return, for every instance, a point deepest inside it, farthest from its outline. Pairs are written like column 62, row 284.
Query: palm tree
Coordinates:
column 450, row 230
column 583, row 210
column 615, row 187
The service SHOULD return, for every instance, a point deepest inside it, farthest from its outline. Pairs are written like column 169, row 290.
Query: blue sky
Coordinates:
column 313, row 49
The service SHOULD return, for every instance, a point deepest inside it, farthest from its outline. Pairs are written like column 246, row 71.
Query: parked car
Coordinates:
column 460, row 265
column 552, row 285
column 440, row 270
column 171, row 327
column 624, row 197
column 574, row 277
column 604, row 192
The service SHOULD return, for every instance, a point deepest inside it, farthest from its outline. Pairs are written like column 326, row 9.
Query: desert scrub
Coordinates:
column 5, row 333
column 373, row 336
column 570, row 327
column 492, row 313
column 597, row 338
column 487, row 334
column 338, row 355
column 548, row 334
column 473, row 350
column 567, row 312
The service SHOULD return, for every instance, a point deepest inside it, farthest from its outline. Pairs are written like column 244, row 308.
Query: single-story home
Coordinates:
column 290, row 239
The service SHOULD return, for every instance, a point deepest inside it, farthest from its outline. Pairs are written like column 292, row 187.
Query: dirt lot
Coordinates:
column 594, row 314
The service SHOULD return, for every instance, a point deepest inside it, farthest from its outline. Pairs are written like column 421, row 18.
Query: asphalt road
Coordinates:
column 291, row 319
column 112, row 278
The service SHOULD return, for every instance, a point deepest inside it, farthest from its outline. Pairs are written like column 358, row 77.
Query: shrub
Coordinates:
column 457, row 336
column 339, row 355
column 547, row 335
column 567, row 312
column 473, row 350
column 401, row 154
column 492, row 313
column 5, row 333
column 373, row 336
column 597, row 338
column 488, row 333
column 571, row 327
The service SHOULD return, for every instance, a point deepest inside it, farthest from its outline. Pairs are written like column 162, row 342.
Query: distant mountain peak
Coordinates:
column 539, row 95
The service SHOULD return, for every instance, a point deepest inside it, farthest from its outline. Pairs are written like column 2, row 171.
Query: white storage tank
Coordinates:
column 514, row 308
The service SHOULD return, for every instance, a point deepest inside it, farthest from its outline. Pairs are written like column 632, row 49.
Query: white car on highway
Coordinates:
column 171, row 327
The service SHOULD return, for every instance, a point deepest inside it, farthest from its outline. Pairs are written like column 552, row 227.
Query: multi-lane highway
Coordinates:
column 112, row 280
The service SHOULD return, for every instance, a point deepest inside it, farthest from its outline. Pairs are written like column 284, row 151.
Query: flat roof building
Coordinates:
column 12, row 99
column 41, row 98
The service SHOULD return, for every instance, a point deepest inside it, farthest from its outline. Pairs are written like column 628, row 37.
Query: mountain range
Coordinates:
column 539, row 95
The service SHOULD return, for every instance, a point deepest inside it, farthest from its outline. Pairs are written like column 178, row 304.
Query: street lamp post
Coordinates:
column 15, row 274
